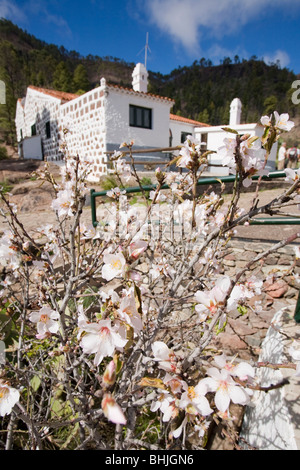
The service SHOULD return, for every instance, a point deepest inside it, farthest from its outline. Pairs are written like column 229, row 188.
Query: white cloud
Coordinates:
column 188, row 21
column 10, row 11
column 279, row 55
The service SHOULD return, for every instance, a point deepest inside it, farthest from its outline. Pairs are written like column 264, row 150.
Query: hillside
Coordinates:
column 202, row 91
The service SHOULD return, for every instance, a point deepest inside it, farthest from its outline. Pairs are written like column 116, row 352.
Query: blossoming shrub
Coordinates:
column 97, row 353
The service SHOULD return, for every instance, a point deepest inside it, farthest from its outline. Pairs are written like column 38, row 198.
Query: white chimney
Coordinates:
column 235, row 112
column 140, row 78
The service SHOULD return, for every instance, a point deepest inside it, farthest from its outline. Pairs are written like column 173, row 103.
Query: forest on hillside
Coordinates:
column 202, row 91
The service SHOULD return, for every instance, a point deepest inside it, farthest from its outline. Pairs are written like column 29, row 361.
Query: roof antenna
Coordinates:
column 146, row 47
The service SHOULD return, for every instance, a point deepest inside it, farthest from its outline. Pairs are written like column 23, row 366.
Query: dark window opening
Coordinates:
column 33, row 129
column 140, row 117
column 184, row 136
column 48, row 130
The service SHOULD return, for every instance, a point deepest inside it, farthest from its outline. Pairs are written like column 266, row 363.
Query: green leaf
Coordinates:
column 228, row 129
column 35, row 383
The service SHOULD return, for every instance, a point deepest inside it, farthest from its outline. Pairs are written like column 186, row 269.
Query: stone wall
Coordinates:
column 84, row 117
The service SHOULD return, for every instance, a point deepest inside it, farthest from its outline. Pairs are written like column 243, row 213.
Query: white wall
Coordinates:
column 216, row 136
column 177, row 127
column 117, row 119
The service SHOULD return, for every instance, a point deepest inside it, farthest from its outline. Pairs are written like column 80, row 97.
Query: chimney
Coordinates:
column 140, row 78
column 235, row 112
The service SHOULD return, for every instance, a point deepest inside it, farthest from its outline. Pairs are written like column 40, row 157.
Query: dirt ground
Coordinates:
column 34, row 201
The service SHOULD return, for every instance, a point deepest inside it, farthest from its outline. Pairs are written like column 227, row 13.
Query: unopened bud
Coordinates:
column 109, row 376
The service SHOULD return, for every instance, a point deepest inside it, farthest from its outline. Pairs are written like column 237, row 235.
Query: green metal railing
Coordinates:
column 211, row 181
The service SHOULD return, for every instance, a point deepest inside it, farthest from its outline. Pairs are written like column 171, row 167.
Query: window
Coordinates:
column 33, row 129
column 204, row 138
column 140, row 117
column 184, row 136
column 48, row 130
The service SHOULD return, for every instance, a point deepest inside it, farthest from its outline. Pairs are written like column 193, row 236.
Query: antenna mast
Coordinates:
column 146, row 49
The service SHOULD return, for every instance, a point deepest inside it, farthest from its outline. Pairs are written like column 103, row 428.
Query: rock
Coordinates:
column 276, row 289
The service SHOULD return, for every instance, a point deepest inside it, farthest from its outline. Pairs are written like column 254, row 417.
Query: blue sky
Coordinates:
column 180, row 31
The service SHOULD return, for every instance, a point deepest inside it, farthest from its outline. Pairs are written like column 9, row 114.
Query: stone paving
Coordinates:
column 244, row 333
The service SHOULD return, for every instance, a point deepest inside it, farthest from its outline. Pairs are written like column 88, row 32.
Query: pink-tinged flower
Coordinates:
column 137, row 248
column 128, row 311
column 209, row 301
column 63, row 203
column 242, row 370
column 167, row 404
column 226, row 389
column 109, row 376
column 9, row 396
column 112, row 410
column 193, row 400
column 266, row 120
column 99, row 338
column 46, row 321
column 292, row 175
column 114, row 265
column 9, row 255
column 165, row 357
column 227, row 152
column 282, row 121
column 123, row 169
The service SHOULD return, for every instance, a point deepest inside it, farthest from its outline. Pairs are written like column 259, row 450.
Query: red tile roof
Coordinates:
column 61, row 95
column 174, row 117
column 140, row 92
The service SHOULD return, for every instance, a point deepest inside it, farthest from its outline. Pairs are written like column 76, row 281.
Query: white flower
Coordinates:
column 227, row 152
column 282, row 122
column 115, row 265
column 242, row 370
column 128, row 311
column 165, row 357
column 99, row 338
column 112, row 410
column 46, row 321
column 266, row 120
column 193, row 400
column 123, row 169
column 9, row 396
column 292, row 175
column 166, row 403
column 226, row 389
column 8, row 255
column 63, row 203
column 210, row 300
column 137, row 248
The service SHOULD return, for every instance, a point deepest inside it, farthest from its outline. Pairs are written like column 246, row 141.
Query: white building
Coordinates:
column 214, row 136
column 98, row 121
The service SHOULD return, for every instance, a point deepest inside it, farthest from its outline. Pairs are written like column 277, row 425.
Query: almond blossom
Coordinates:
column 9, row 396
column 46, row 321
column 165, row 357
column 193, row 400
column 114, row 265
column 63, row 203
column 112, row 410
column 226, row 389
column 209, row 301
column 292, row 175
column 282, row 121
column 101, row 338
column 127, row 310
column 242, row 370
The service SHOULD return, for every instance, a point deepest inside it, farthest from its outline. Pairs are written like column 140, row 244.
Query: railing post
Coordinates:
column 297, row 310
column 93, row 208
